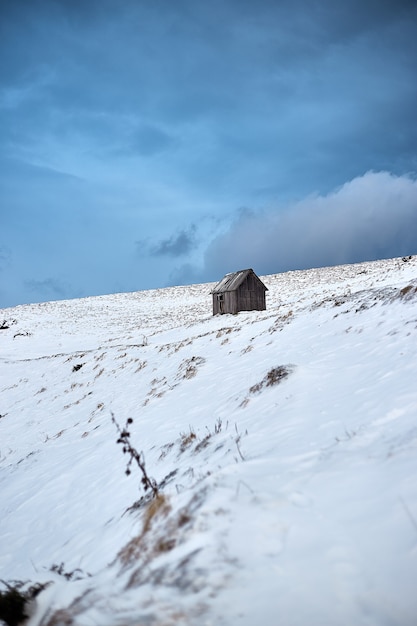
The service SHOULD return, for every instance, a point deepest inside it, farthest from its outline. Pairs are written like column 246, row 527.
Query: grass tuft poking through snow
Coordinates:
column 273, row 377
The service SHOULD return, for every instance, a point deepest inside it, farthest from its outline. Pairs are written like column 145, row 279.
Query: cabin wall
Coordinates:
column 225, row 303
column 251, row 295
column 231, row 305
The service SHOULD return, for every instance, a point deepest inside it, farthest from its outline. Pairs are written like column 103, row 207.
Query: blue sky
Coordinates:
column 150, row 143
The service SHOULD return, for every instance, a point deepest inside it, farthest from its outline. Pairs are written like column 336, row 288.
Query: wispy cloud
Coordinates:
column 5, row 257
column 50, row 287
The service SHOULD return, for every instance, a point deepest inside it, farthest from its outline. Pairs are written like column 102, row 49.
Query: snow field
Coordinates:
column 288, row 503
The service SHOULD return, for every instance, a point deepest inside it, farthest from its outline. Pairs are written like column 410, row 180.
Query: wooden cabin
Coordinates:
column 239, row 291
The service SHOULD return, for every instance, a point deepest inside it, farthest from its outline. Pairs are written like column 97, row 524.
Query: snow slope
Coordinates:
column 284, row 444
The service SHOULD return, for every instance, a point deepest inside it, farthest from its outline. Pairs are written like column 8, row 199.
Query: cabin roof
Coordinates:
column 232, row 281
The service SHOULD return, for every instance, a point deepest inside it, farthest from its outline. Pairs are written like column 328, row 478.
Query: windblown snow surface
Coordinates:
column 283, row 443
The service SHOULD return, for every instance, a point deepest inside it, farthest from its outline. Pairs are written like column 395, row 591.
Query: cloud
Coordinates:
column 18, row 170
column 371, row 217
column 50, row 287
column 150, row 140
column 5, row 257
column 177, row 245
column 186, row 274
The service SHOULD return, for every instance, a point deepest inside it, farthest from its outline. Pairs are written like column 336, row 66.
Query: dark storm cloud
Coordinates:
column 177, row 245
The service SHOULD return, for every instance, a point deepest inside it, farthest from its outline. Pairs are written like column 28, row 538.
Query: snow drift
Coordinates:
column 283, row 445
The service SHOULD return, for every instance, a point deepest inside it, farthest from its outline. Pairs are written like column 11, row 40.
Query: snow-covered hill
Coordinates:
column 283, row 444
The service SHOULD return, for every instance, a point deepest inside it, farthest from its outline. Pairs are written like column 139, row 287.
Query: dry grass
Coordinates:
column 156, row 509
column 203, row 443
column 186, row 440
column 189, row 367
column 273, row 377
column 165, row 450
column 276, row 375
column 281, row 321
column 408, row 293
column 163, row 530
column 223, row 331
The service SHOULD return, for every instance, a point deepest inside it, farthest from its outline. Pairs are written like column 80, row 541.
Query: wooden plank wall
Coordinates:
column 250, row 296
